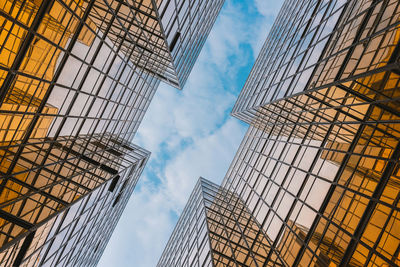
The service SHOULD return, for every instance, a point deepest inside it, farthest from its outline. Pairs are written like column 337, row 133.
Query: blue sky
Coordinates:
column 190, row 133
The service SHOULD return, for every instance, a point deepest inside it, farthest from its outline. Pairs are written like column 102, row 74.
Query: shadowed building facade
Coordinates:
column 319, row 169
column 76, row 79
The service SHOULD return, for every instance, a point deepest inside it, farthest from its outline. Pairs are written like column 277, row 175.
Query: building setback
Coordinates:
column 318, row 168
column 76, row 78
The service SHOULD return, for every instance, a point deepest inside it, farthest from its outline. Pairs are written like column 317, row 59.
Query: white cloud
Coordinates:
column 227, row 36
column 180, row 115
column 208, row 157
column 236, row 28
column 269, row 10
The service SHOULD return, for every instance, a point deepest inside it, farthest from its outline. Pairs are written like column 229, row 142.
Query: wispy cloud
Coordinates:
column 190, row 134
column 181, row 116
column 209, row 157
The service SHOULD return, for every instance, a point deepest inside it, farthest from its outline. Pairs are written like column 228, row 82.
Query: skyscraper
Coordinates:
column 214, row 229
column 319, row 166
column 167, row 35
column 65, row 214
column 76, row 78
column 324, row 144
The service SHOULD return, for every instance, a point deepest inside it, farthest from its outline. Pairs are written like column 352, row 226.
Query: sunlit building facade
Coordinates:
column 288, row 184
column 76, row 78
column 318, row 169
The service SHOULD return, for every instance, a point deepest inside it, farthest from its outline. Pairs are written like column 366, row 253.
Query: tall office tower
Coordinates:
column 216, row 229
column 319, row 165
column 76, row 78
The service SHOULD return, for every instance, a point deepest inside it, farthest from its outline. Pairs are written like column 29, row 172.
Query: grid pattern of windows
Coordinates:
column 60, row 76
column 162, row 37
column 70, row 101
column 186, row 25
column 189, row 244
column 63, row 211
column 325, row 187
column 216, row 229
column 316, row 44
column 236, row 237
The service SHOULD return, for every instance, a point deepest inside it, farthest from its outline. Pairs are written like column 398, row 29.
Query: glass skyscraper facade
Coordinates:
column 76, row 78
column 319, row 169
column 216, row 229
column 65, row 214
column 162, row 37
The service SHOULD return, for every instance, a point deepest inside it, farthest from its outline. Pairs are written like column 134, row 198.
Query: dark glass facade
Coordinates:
column 319, row 167
column 76, row 78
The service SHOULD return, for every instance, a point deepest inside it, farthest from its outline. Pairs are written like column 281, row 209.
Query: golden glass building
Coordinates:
column 319, row 167
column 76, row 79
